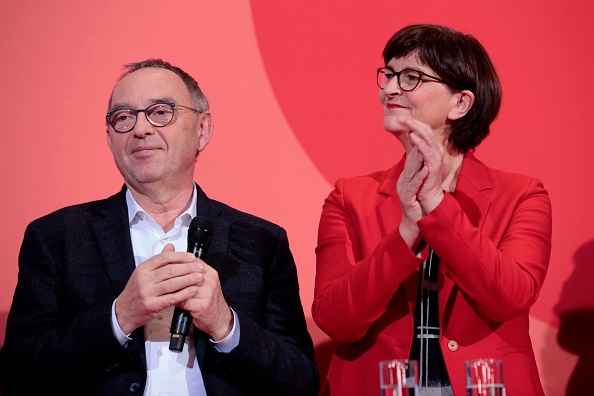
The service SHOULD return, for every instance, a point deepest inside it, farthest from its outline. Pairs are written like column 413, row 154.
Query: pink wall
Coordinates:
column 293, row 95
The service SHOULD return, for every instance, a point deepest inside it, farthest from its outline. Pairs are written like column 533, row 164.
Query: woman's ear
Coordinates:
column 462, row 105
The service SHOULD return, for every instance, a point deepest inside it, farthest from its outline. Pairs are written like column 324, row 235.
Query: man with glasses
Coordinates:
column 99, row 282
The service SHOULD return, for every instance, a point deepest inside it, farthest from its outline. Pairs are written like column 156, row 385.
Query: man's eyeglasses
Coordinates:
column 158, row 114
column 408, row 79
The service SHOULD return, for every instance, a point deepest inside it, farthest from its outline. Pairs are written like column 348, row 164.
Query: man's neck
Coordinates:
column 163, row 205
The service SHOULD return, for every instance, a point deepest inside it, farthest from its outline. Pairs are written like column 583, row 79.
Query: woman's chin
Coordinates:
column 394, row 127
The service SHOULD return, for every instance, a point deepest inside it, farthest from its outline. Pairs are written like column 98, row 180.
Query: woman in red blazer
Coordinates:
column 439, row 258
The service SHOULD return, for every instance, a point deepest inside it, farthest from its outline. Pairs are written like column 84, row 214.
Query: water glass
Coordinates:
column 399, row 377
column 484, row 377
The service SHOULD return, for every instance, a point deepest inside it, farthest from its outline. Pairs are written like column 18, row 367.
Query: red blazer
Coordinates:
column 493, row 235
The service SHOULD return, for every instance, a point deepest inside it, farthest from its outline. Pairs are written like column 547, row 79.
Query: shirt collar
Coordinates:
column 135, row 211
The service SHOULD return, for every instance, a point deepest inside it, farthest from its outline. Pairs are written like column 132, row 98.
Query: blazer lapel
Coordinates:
column 388, row 210
column 113, row 237
column 209, row 208
column 218, row 248
column 473, row 180
column 389, row 215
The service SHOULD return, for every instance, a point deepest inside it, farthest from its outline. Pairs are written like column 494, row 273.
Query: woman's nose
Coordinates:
column 392, row 87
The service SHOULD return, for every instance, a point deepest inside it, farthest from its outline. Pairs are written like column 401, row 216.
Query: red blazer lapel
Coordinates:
column 388, row 210
column 473, row 180
column 389, row 215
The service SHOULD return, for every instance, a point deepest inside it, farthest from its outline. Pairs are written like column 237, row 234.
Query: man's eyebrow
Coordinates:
column 165, row 99
column 120, row 106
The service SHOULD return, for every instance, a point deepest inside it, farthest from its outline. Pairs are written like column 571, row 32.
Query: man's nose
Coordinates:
column 143, row 127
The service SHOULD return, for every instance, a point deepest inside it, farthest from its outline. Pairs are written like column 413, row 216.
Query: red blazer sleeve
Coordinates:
column 352, row 291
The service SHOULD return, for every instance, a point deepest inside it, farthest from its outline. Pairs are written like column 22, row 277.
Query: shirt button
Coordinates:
column 159, row 316
column 159, row 353
column 134, row 387
column 452, row 345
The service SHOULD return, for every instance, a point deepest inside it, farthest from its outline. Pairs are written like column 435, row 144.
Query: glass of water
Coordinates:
column 399, row 377
column 484, row 377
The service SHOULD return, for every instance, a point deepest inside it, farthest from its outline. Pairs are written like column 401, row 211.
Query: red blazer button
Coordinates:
column 452, row 345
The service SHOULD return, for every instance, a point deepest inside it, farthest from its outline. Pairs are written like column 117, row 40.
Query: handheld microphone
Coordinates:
column 200, row 235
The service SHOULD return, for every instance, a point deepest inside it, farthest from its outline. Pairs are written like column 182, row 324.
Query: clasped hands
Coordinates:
column 419, row 186
column 179, row 279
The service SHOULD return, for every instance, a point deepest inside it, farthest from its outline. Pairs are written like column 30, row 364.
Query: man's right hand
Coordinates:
column 162, row 281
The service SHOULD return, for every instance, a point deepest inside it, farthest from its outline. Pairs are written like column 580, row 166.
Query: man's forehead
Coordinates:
column 151, row 81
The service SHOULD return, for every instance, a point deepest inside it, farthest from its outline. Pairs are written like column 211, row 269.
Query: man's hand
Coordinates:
column 208, row 306
column 164, row 280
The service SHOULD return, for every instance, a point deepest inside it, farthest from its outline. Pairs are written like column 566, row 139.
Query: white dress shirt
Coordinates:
column 169, row 373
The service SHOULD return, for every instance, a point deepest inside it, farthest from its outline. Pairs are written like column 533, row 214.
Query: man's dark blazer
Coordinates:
column 74, row 262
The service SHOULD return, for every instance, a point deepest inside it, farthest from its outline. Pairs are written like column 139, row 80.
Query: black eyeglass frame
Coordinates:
column 172, row 105
column 397, row 74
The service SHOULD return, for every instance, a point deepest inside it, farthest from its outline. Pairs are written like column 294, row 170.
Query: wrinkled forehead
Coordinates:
column 145, row 86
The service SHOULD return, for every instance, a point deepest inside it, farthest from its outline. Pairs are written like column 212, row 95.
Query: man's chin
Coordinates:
column 146, row 177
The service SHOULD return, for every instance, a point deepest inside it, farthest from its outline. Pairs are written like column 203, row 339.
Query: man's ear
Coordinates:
column 462, row 105
column 205, row 129
column 108, row 136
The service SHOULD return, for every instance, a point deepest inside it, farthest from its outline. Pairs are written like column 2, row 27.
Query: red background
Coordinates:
column 293, row 95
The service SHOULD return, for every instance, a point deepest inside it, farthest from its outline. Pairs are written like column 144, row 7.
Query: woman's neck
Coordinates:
column 452, row 162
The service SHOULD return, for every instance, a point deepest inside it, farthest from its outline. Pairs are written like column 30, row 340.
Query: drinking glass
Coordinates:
column 484, row 377
column 399, row 377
